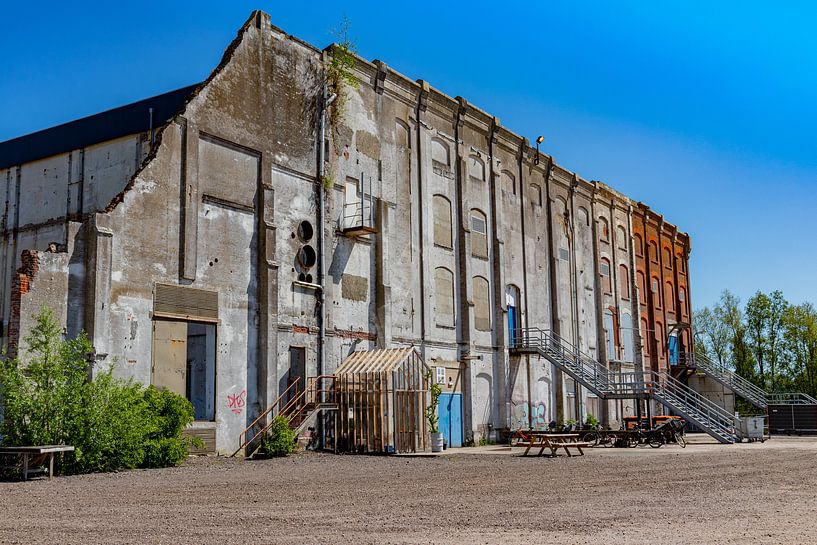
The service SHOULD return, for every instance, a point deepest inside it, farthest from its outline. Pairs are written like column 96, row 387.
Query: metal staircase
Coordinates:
column 728, row 378
column 790, row 398
column 598, row 379
column 296, row 404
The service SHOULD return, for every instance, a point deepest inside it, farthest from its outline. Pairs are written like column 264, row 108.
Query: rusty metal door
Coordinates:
column 170, row 355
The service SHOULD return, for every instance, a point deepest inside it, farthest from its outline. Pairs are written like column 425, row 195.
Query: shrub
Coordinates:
column 113, row 424
column 280, row 439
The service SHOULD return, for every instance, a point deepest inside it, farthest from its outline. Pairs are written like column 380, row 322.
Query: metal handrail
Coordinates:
column 286, row 393
column 790, row 398
column 732, row 380
column 596, row 377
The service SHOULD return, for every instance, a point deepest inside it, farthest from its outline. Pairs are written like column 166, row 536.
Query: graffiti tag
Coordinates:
column 236, row 402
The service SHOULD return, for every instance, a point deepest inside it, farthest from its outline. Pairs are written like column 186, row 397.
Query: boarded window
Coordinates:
column 187, row 303
column 645, row 331
column 440, row 152
column 604, row 269
column 642, row 287
column 444, row 296
column 482, row 307
column 667, row 258
column 669, row 296
column 536, row 194
column 624, row 281
column 621, row 237
column 442, row 222
column 653, row 251
column 476, row 168
column 479, row 234
column 639, row 245
column 508, row 183
column 604, row 230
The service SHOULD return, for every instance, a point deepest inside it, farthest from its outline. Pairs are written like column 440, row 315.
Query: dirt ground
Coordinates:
column 706, row 493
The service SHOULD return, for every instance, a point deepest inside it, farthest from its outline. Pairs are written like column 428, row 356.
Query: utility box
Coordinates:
column 751, row 428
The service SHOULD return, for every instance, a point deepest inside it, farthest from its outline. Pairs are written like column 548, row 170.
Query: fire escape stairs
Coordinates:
column 731, row 380
column 297, row 404
column 661, row 387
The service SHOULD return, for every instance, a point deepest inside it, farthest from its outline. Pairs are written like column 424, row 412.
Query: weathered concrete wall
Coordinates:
column 470, row 229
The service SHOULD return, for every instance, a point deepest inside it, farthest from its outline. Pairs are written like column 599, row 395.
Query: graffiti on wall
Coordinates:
column 236, row 402
column 528, row 414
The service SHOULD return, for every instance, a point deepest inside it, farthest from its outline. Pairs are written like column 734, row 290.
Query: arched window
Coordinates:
column 536, row 194
column 508, row 182
column 440, row 152
column 653, row 251
column 442, row 222
column 669, row 296
column 624, row 281
column 639, row 244
column 642, row 287
column 656, row 292
column 660, row 339
column 621, row 237
column 401, row 134
column 604, row 271
column 604, row 229
column 681, row 263
column 667, row 258
column 583, row 216
column 444, row 296
column 476, row 168
column 645, row 337
column 479, row 234
column 482, row 305
column 682, row 297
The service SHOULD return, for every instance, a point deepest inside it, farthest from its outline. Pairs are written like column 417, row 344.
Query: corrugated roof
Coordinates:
column 130, row 119
column 376, row 361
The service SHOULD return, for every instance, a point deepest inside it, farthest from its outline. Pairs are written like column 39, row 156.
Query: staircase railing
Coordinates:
column 738, row 384
column 597, row 378
column 790, row 398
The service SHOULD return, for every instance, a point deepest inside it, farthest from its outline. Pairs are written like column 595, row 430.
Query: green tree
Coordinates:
column 800, row 338
column 712, row 336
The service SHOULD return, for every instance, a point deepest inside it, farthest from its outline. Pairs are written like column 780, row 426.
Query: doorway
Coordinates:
column 449, row 412
column 514, row 323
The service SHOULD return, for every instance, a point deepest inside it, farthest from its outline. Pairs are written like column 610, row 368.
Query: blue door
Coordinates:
column 450, row 413
column 512, row 325
column 673, row 350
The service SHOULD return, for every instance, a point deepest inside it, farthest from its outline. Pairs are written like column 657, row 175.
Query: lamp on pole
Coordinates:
column 539, row 140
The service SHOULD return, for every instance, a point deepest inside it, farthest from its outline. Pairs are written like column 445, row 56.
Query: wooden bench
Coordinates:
column 35, row 457
column 554, row 442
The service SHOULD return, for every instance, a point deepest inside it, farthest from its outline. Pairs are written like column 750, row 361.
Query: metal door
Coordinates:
column 170, row 356
column 450, row 413
column 673, row 349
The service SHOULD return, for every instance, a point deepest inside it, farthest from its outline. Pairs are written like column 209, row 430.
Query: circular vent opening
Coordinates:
column 307, row 257
column 305, row 231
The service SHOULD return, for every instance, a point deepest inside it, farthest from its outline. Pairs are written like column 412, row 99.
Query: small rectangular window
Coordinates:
column 564, row 254
column 440, row 375
column 605, row 269
column 478, row 225
column 655, row 285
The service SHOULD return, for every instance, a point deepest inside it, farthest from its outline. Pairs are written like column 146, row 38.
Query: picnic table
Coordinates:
column 36, row 456
column 553, row 441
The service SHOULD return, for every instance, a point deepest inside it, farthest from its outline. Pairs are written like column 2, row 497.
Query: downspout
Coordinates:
column 523, row 183
column 326, row 100
column 556, row 326
column 574, row 246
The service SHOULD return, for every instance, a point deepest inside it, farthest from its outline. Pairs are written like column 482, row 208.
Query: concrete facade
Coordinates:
column 127, row 240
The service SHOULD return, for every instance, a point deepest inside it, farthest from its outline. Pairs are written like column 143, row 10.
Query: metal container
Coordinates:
column 751, row 428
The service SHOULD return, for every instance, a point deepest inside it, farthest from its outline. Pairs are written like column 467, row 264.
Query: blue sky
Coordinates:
column 706, row 111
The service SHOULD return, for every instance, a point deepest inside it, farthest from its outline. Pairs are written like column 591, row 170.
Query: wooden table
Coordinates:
column 26, row 453
column 553, row 441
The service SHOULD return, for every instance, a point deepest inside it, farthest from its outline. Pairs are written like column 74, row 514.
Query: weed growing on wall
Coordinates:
column 280, row 439
column 113, row 424
column 339, row 73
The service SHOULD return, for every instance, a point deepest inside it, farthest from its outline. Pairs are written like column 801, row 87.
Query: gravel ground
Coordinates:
column 706, row 493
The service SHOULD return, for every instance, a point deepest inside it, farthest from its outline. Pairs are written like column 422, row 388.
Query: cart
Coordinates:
column 750, row 428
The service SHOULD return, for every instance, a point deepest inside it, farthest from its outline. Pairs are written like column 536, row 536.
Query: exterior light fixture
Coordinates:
column 539, row 140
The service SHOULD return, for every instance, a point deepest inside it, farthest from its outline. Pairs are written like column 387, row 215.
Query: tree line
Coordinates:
column 768, row 341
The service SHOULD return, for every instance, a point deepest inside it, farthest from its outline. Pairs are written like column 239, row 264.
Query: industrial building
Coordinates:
column 235, row 237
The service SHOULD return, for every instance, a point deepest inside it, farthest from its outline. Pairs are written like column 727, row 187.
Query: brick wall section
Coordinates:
column 22, row 284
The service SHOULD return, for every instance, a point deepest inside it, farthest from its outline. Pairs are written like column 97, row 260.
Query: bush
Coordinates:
column 112, row 424
column 280, row 439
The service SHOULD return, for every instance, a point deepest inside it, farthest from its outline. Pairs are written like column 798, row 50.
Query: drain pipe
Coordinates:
column 326, row 100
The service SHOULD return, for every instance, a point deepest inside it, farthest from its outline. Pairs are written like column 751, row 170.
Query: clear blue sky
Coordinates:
column 706, row 111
